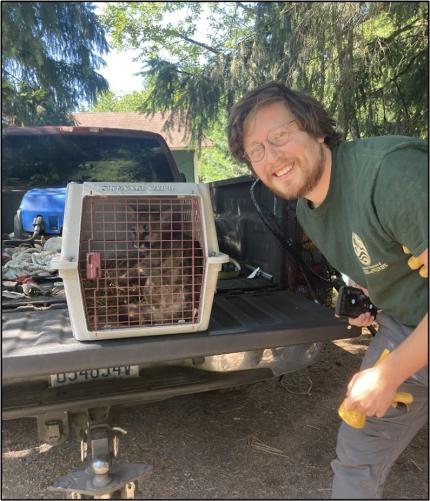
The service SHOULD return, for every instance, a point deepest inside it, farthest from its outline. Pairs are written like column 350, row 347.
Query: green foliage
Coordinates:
column 106, row 101
column 148, row 26
column 215, row 162
column 109, row 101
column 51, row 51
column 178, row 68
column 366, row 61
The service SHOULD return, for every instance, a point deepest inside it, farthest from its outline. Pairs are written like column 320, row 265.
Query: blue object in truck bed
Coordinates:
column 46, row 202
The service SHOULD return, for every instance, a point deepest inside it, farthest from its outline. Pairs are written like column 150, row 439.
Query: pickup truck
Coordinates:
column 265, row 321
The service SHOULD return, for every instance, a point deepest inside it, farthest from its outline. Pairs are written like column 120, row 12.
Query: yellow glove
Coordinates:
column 357, row 419
column 414, row 263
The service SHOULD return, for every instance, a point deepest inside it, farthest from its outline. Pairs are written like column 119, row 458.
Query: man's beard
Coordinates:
column 311, row 178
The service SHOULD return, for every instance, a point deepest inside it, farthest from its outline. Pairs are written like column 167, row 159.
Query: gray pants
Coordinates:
column 365, row 456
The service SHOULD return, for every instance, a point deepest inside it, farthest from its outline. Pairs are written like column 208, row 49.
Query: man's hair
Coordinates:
column 310, row 116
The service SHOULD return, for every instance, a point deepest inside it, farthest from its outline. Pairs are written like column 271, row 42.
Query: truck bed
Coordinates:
column 40, row 342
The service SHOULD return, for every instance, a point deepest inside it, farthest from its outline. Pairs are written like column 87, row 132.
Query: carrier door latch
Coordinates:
column 93, row 265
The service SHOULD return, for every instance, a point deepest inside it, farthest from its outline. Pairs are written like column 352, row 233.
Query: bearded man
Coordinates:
column 364, row 204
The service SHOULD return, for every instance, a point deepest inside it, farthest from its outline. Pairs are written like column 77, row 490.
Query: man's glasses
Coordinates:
column 276, row 137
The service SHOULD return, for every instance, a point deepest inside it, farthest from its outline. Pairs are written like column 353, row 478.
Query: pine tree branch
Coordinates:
column 397, row 75
column 180, row 72
column 195, row 42
column 18, row 80
column 401, row 30
column 405, row 107
column 394, row 35
column 411, row 61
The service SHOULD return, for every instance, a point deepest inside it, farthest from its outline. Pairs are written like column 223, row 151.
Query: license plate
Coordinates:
column 123, row 371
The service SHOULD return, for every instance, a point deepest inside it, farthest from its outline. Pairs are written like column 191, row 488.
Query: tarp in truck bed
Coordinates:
column 37, row 343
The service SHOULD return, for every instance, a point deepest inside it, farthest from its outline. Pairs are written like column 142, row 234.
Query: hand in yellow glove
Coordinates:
column 415, row 264
column 357, row 419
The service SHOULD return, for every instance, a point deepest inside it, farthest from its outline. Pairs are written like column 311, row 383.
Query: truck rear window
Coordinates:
column 56, row 159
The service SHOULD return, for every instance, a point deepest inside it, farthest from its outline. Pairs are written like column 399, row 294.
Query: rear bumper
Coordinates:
column 158, row 383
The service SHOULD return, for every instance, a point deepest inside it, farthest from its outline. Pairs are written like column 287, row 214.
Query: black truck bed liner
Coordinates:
column 239, row 322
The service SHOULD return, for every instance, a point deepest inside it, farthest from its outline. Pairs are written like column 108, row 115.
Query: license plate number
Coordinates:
column 123, row 371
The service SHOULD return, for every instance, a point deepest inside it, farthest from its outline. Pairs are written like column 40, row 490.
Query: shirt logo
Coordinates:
column 364, row 257
column 360, row 250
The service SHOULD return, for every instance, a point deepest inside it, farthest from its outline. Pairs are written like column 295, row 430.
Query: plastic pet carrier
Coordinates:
column 138, row 259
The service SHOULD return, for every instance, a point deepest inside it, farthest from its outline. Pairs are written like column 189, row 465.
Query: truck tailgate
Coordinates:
column 37, row 343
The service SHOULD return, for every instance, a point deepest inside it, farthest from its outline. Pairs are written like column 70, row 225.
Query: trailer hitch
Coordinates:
column 103, row 478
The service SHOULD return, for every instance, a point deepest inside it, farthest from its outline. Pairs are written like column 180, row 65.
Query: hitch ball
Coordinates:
column 100, row 467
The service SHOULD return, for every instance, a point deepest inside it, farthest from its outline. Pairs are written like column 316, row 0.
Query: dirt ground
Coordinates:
column 270, row 440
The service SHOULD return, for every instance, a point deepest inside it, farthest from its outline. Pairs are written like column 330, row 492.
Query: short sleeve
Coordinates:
column 400, row 196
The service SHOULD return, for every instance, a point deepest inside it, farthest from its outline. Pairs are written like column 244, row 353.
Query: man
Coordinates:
column 364, row 204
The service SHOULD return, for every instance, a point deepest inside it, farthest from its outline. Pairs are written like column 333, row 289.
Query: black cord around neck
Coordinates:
column 270, row 221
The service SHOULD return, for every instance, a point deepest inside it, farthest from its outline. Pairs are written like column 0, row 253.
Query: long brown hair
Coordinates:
column 308, row 112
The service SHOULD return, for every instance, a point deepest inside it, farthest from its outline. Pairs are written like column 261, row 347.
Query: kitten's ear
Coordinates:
column 132, row 211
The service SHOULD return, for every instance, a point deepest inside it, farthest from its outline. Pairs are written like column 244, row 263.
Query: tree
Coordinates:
column 51, row 51
column 366, row 61
column 109, row 101
column 215, row 162
column 153, row 29
column 186, row 90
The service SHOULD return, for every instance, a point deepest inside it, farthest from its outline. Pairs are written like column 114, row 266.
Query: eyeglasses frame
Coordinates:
column 245, row 155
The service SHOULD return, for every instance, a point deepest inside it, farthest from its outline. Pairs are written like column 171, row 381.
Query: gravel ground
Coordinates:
column 270, row 440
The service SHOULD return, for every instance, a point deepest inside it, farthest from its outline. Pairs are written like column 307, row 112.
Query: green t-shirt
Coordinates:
column 377, row 202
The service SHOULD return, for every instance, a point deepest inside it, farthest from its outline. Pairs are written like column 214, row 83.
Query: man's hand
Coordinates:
column 365, row 319
column 371, row 392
